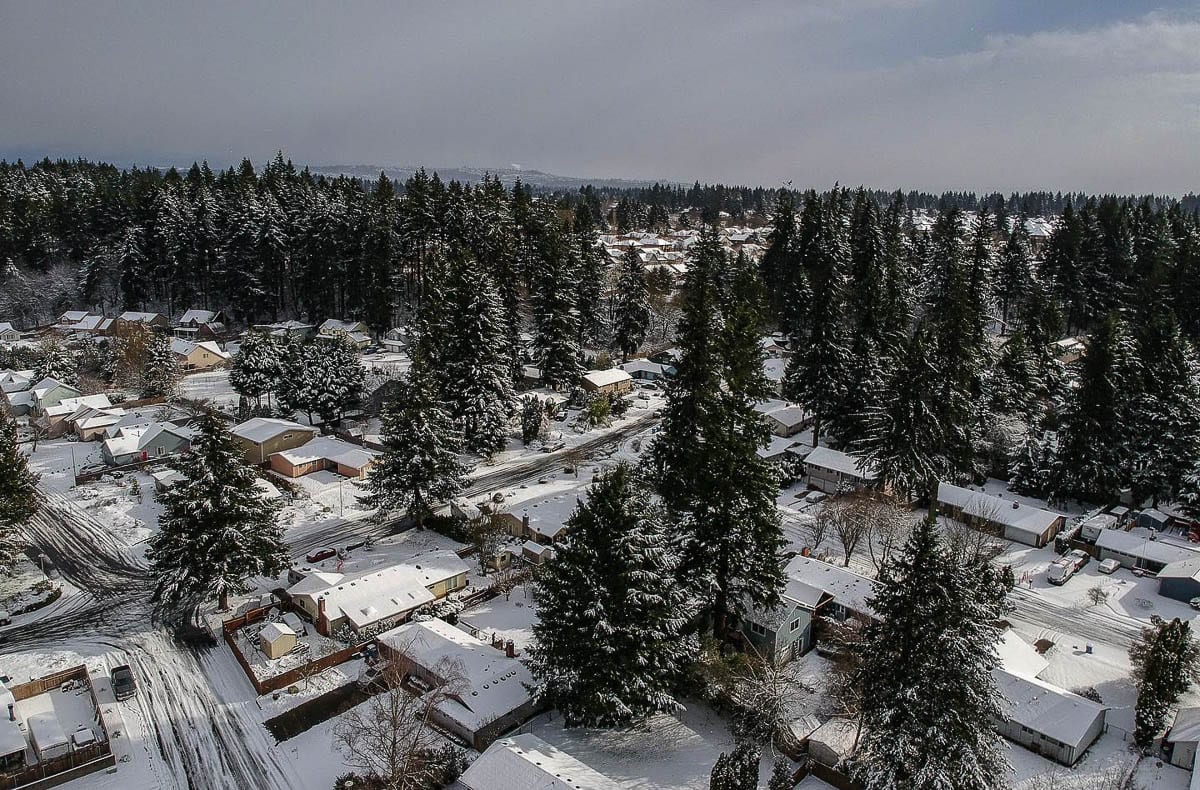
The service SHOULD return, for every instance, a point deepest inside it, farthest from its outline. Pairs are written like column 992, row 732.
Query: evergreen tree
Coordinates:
column 1033, row 470
column 18, row 492
column 419, row 467
column 1094, row 436
column 738, row 769
column 1166, row 662
column 257, row 367
column 592, row 271
column 631, row 308
column 322, row 378
column 781, row 775
column 533, row 418
column 56, row 362
column 1015, row 271
column 928, row 697
column 609, row 651
column 160, row 378
column 215, row 529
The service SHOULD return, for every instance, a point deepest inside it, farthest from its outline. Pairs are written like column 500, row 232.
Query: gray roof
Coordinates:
column 1144, row 544
column 1046, row 709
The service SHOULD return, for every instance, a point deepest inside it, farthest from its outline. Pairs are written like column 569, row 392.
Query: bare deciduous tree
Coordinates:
column 891, row 527
column 390, row 737
column 851, row 519
column 970, row 538
column 767, row 695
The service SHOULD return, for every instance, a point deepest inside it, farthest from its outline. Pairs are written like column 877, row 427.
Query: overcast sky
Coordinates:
column 1099, row 95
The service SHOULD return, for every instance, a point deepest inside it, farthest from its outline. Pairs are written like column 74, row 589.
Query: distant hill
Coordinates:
column 472, row 175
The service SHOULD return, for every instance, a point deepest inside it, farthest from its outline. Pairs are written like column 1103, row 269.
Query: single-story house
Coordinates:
column 785, row 632
column 1045, row 719
column 834, row 471
column 494, row 697
column 262, row 437
column 325, row 452
column 1180, row 580
column 152, row 320
column 128, row 444
column 276, row 640
column 8, row 333
column 356, row 332
column 200, row 324
column 542, row 518
column 380, row 597
column 850, row 593
column 1140, row 548
column 1009, row 518
column 776, row 449
column 1182, row 738
column 73, row 316
column 58, row 416
column 525, row 761
column 93, row 422
column 203, row 355
column 288, row 329
column 82, row 322
column 786, row 420
column 645, row 370
column 613, row 381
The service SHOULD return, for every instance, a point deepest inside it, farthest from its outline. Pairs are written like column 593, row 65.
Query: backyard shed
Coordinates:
column 276, row 640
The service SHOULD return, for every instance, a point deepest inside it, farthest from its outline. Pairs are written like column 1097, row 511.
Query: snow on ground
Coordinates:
column 510, row 619
column 57, row 460
column 665, row 753
column 133, row 518
column 212, row 386
column 278, row 702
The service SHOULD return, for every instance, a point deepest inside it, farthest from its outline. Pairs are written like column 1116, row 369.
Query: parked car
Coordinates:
column 5, row 618
column 813, row 497
column 1061, row 570
column 1108, row 566
column 123, row 684
column 1194, row 603
column 1079, row 557
column 323, row 554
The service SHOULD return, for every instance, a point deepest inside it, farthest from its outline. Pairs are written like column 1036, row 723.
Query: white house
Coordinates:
column 1046, row 719
column 1015, row 521
column 8, row 333
column 525, row 761
column 1140, row 548
column 833, row 471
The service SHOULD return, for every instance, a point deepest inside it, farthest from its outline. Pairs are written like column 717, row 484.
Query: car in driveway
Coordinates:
column 1109, row 566
column 813, row 497
column 323, row 554
column 1079, row 557
column 1061, row 571
column 124, row 685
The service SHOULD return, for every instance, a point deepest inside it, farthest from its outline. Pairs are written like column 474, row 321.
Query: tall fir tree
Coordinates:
column 1015, row 271
column 257, row 368
column 631, row 305
column 419, row 467
column 1166, row 662
column 215, row 529
column 610, row 650
column 18, row 493
column 928, row 697
column 160, row 378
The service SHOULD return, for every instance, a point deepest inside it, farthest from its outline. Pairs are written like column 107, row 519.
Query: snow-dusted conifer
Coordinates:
column 257, row 368
column 928, row 697
column 160, row 378
column 18, row 492
column 216, row 528
column 609, row 649
column 419, row 467
column 631, row 305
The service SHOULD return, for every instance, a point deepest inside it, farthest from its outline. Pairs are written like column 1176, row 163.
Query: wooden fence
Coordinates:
column 281, row 681
column 76, row 763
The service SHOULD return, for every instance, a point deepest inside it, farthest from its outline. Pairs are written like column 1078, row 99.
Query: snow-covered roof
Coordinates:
column 315, row 582
column 1186, row 727
column 5, row 326
column 837, row 735
column 497, row 684
column 16, row 380
column 1017, row 655
column 67, row 406
column 46, row 730
column 643, row 366
column 12, row 740
column 1046, row 709
column 535, row 548
column 789, row 415
column 136, row 317
column 774, row 367
column 838, row 461
column 547, row 514
column 73, row 316
column 262, row 429
column 198, row 317
column 1010, row 513
column 776, row 447
column 525, row 762
column 1182, row 569
column 847, row 588
column 604, row 378
column 330, row 449
column 274, row 631
column 338, row 325
column 1144, row 544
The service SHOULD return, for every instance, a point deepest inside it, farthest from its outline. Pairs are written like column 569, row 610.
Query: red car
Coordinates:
column 323, row 554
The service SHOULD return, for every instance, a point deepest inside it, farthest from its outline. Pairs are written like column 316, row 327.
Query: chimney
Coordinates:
column 497, row 641
column 525, row 524
column 510, row 649
column 12, row 714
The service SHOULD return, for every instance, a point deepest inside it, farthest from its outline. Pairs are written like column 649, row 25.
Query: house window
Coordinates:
column 796, row 624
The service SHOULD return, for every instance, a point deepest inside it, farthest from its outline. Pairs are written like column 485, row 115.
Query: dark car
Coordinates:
column 323, row 554
column 123, row 684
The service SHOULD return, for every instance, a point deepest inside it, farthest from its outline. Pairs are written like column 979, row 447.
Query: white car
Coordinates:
column 1061, row 570
column 813, row 497
column 1108, row 566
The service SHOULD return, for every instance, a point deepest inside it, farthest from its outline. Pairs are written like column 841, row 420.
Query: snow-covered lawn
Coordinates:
column 132, row 518
column 512, row 619
column 212, row 386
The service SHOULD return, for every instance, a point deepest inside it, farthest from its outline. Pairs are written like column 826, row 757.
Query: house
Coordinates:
column 536, row 553
column 149, row 320
column 1018, row 656
column 355, row 331
column 1182, row 738
column 833, row 471
column 60, row 418
column 380, row 597
column 200, row 325
column 45, row 394
column 786, row 631
column 277, row 640
column 1008, row 518
column 262, row 437
column 1140, row 548
column 1046, row 719
column 60, row 722
column 8, row 334
column 82, row 322
column 612, row 382
column 849, row 593
column 128, row 444
column 540, row 518
column 72, row 317
column 203, row 355
column 1091, row 527
column 296, row 330
column 833, row 742
column 325, row 452
column 525, row 761
column 783, row 418
column 1180, row 580
column 92, row 422
column 645, row 370
column 493, row 693
column 394, row 340
column 776, row 449
column 16, row 380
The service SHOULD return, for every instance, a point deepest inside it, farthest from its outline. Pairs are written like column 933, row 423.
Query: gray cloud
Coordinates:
column 811, row 92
